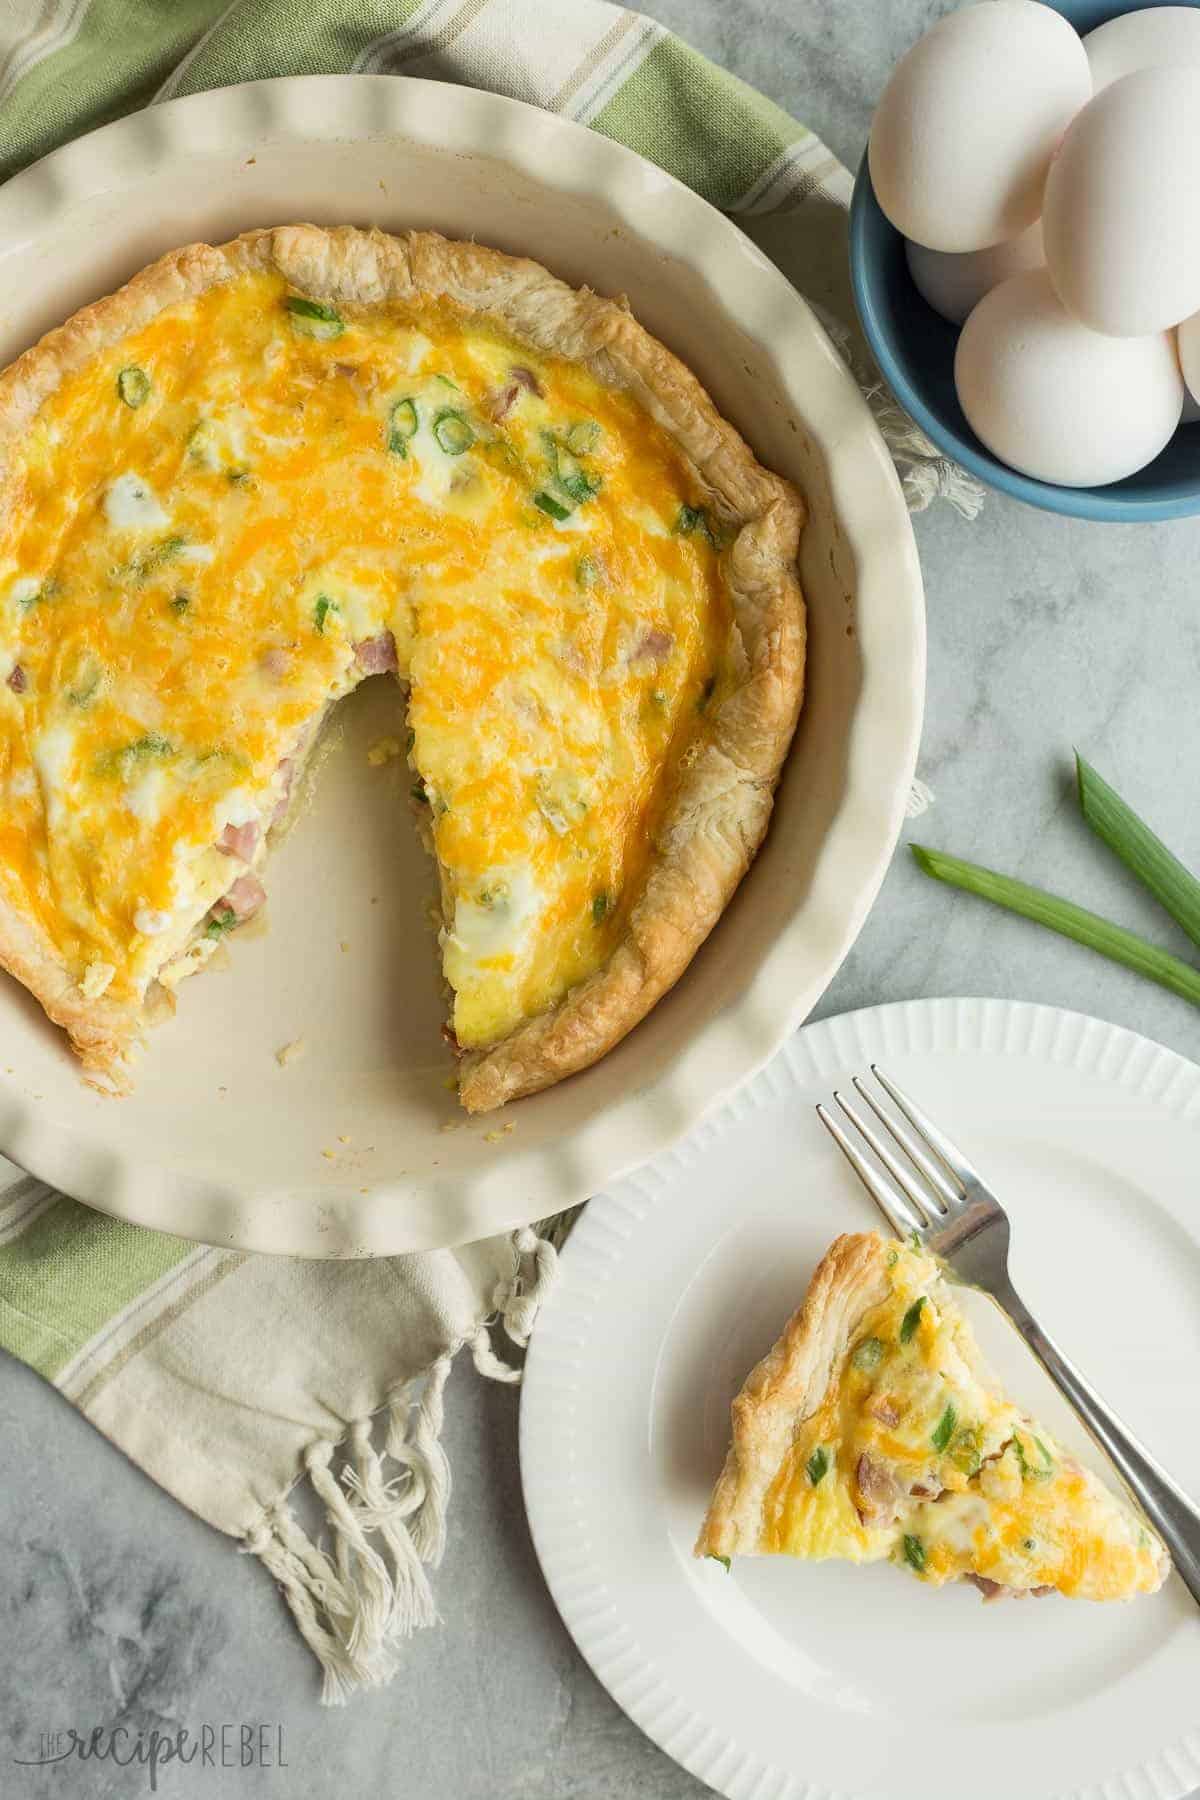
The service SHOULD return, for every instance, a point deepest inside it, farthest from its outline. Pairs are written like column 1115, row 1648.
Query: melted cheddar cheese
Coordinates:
column 214, row 527
column 915, row 1455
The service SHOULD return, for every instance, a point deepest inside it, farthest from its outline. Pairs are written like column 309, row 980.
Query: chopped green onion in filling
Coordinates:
column 914, row 1553
column 181, row 602
column 581, row 438
column 943, row 1431
column 220, row 923
column 312, row 318
column 600, row 907
column 125, row 760
column 911, row 1319
column 133, row 386
column 868, row 1355
column 587, row 572
column 693, row 521
column 554, row 509
column 452, row 432
column 965, row 1452
column 817, row 1465
column 402, row 424
column 321, row 611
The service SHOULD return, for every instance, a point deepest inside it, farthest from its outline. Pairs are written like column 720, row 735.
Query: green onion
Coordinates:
column 235, row 476
column 1028, row 1472
column 321, row 611
column 943, row 1431
column 84, row 691
column 817, row 1465
column 446, row 382
column 181, row 602
column 600, row 906
column 312, row 318
column 723, row 1560
column 220, row 923
column 914, row 1553
column 587, row 572
column 911, row 1320
column 402, row 424
column 164, row 551
column 133, row 386
column 690, row 519
column 453, row 433
column 1069, row 920
column 965, row 1453
column 581, row 438
column 554, row 509
column 418, row 792
column 1173, row 886
column 868, row 1355
column 914, row 1240
column 125, row 760
column 579, row 485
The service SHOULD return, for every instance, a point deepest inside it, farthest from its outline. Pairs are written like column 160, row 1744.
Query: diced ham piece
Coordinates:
column 526, row 377
column 275, row 662
column 16, row 679
column 884, row 1409
column 879, row 1492
column 991, row 1590
column 501, row 401
column 377, row 655
column 287, row 777
column 653, row 644
column 240, row 840
column 243, row 899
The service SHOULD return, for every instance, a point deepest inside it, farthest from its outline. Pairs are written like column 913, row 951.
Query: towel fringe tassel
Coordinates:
column 386, row 1510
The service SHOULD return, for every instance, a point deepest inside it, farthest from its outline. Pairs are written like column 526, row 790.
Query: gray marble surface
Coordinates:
column 1043, row 633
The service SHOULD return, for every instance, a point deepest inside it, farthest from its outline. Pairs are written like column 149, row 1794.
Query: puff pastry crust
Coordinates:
column 719, row 811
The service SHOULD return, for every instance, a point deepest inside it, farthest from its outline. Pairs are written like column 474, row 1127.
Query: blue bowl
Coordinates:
column 914, row 348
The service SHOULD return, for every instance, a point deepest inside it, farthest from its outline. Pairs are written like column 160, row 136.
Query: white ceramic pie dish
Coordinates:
column 358, row 1147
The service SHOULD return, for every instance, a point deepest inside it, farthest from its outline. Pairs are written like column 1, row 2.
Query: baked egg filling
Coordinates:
column 223, row 524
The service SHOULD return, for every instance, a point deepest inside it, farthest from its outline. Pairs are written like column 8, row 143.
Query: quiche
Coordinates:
column 873, row 1430
column 264, row 471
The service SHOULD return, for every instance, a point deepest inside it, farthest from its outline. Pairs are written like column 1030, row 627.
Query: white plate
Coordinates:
column 784, row 1680
column 219, row 1142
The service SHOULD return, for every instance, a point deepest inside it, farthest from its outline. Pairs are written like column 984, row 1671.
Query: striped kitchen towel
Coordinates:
column 232, row 1378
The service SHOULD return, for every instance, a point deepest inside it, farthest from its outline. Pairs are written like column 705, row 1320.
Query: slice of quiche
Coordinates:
column 872, row 1429
column 264, row 471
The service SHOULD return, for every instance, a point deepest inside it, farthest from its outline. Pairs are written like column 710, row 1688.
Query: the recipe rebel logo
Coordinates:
column 244, row 1745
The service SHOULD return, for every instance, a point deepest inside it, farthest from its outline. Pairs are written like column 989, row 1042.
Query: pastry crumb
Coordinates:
column 289, row 1053
column 343, row 945
column 501, row 1131
column 383, row 750
column 343, row 1140
column 329, row 1155
column 96, row 978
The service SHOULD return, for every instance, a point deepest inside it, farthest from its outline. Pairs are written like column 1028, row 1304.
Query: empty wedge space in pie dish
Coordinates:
column 261, row 473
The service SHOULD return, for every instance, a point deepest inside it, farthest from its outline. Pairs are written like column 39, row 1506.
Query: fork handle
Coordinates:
column 1173, row 1515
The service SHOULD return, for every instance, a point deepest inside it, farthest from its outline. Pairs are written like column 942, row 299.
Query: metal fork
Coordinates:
column 938, row 1199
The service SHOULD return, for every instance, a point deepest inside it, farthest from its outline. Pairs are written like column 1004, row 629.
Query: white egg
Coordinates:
column 1120, row 240
column 1056, row 400
column 963, row 136
column 1156, row 37
column 1188, row 338
column 954, row 282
